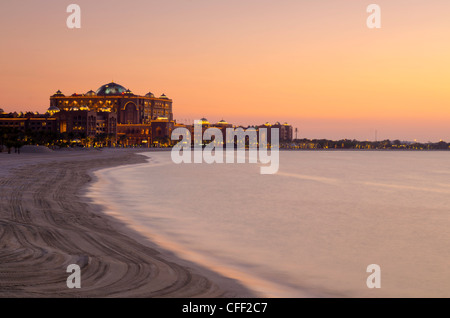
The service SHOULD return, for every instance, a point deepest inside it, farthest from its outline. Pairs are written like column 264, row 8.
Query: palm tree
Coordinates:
column 122, row 139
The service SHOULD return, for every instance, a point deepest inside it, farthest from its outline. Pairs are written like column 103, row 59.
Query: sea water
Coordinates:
column 310, row 230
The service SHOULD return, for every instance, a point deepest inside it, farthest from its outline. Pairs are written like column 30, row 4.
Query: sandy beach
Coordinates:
column 46, row 224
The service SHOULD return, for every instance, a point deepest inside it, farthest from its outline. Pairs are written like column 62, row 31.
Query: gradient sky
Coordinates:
column 314, row 64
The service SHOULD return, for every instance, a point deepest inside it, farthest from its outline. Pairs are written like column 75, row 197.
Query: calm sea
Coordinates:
column 310, row 230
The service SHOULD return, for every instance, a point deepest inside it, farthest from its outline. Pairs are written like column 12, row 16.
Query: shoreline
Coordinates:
column 47, row 223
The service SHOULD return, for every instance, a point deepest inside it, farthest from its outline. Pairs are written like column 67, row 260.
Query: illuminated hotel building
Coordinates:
column 115, row 113
column 115, row 110
column 130, row 108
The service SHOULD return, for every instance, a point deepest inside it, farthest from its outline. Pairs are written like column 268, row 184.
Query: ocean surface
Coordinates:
column 310, row 230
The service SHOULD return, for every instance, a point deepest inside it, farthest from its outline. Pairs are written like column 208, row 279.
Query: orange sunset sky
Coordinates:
column 314, row 64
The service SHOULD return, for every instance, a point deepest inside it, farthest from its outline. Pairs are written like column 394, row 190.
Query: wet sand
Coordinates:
column 46, row 224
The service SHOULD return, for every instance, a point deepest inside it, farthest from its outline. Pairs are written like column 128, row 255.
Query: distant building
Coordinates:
column 29, row 122
column 285, row 131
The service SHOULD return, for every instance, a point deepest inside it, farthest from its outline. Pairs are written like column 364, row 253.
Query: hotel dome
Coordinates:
column 53, row 110
column 111, row 89
column 203, row 121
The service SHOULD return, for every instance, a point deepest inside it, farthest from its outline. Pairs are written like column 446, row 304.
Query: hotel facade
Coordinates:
column 114, row 110
column 129, row 107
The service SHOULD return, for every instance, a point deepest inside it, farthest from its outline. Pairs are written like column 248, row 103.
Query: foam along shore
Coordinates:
column 47, row 224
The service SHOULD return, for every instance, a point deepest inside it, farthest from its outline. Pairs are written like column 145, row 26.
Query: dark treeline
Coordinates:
column 11, row 138
column 356, row 144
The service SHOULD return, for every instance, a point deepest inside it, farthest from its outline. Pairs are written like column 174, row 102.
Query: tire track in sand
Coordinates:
column 45, row 225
